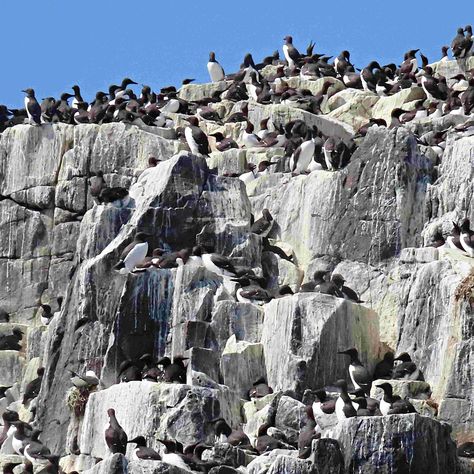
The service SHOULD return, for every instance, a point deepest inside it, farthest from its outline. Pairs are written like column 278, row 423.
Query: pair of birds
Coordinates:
column 462, row 44
column 334, row 287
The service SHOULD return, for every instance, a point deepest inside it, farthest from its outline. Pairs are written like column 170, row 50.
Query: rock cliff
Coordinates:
column 369, row 222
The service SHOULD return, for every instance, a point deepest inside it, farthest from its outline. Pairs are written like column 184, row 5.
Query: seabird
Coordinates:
column 431, row 85
column 46, row 314
column 81, row 115
column 362, row 410
column 77, row 96
column 35, row 450
column 4, row 316
column 170, row 456
column 251, row 175
column 360, row 376
column 466, row 450
column 348, row 293
column 323, row 405
column 89, row 380
column 115, row 437
column 318, row 279
column 250, row 292
column 303, row 155
column 410, row 63
column 33, row 388
column 142, row 452
column 291, row 53
column 260, row 389
column 11, row 342
column 407, row 370
column 129, row 372
column 249, row 139
column 345, row 408
column 457, row 45
column 467, row 237
column 454, row 240
column 197, row 140
column 336, row 153
column 223, row 143
column 150, row 370
column 218, row 264
column 173, row 372
column 264, row 225
column 264, row 442
column 19, row 439
column 307, row 434
column 393, row 404
column 8, row 417
column 33, row 109
column 216, row 72
column 368, row 78
column 133, row 254
column 437, row 241
column 467, row 98
column 383, row 370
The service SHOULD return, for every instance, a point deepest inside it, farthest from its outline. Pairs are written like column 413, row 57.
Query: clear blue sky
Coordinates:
column 52, row 44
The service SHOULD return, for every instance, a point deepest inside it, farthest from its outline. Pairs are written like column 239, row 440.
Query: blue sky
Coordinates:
column 51, row 45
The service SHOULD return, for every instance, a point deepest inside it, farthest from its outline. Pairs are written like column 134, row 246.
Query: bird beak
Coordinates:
column 271, row 164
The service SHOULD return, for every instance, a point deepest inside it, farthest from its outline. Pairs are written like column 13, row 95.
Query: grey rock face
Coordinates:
column 396, row 442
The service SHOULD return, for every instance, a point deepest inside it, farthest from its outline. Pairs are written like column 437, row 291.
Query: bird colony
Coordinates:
column 267, row 273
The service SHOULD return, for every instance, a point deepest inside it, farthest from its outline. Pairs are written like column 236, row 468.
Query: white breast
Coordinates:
column 172, row 106
column 384, row 407
column 174, row 460
column 248, row 177
column 215, row 71
column 306, row 155
column 191, row 142
column 249, row 140
column 136, row 256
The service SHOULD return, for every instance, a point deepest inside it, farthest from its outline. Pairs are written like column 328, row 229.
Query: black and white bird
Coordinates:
column 216, row 71
column 348, row 293
column 292, row 55
column 454, row 240
column 360, row 376
column 407, row 369
column 264, row 225
column 89, row 380
column 312, row 285
column 196, row 139
column 133, row 254
column 33, row 388
column 115, row 436
column 392, row 404
column 250, row 139
column 345, row 407
column 46, row 314
column 467, row 237
column 303, row 155
column 32, row 107
column 142, row 452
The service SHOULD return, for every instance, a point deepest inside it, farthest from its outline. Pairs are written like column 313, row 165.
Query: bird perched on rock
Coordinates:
column 171, row 454
column 11, row 342
column 8, row 417
column 454, row 240
column 292, row 55
column 323, row 405
column 393, row 404
column 173, row 372
column 467, row 237
column 218, row 264
column 348, row 293
column 223, row 143
column 264, row 225
column 33, row 109
column 115, row 437
column 260, row 389
column 35, row 450
column 307, row 434
column 142, row 452
column 129, row 371
column 360, row 376
column 250, row 139
column 196, row 139
column 264, row 442
column 344, row 408
column 216, row 71
column 383, row 370
column 89, row 380
column 303, row 155
column 150, row 370
column 133, row 254
column 318, row 279
column 33, row 388
column 407, row 370
column 46, row 314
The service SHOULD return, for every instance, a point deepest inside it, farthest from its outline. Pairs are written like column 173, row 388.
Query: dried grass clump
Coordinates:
column 76, row 400
column 465, row 290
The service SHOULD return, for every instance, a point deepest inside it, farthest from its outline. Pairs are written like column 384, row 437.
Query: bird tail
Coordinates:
column 120, row 264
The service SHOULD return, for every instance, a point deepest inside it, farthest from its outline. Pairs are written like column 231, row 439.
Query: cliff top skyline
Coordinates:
column 95, row 45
